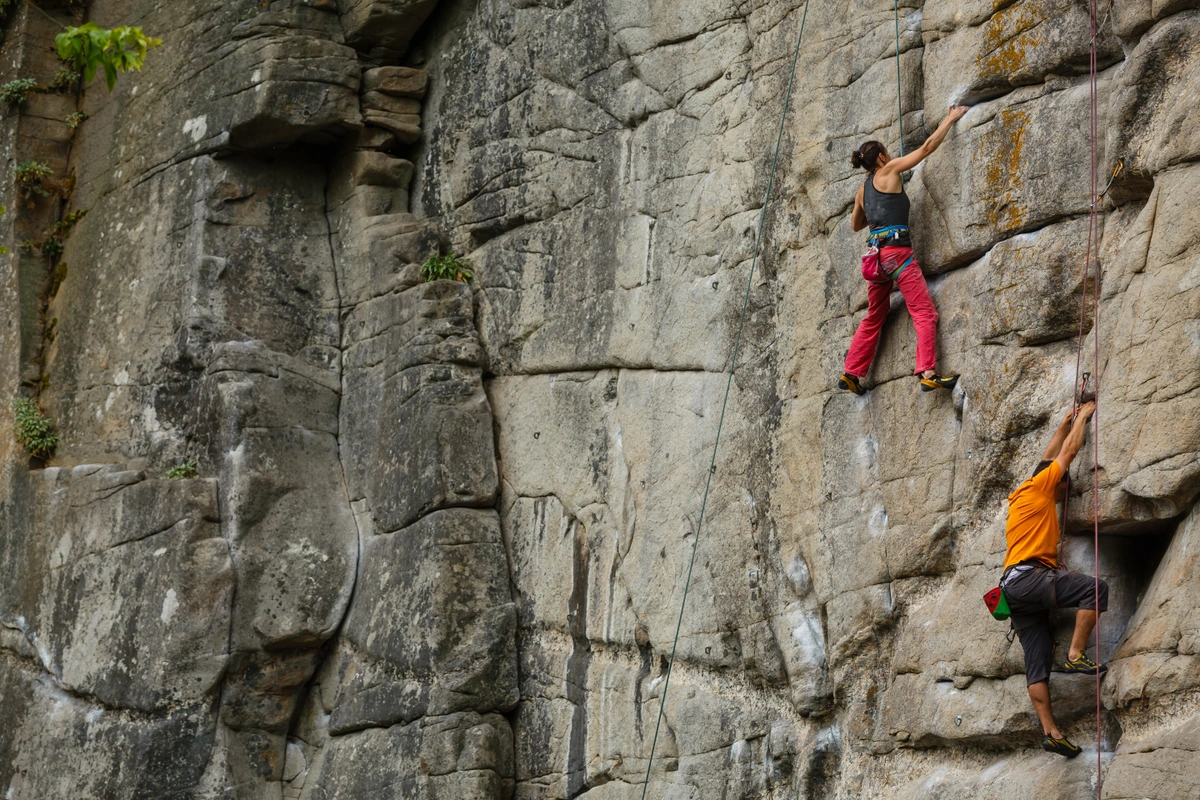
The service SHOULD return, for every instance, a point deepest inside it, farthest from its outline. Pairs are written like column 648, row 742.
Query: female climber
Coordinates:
column 882, row 204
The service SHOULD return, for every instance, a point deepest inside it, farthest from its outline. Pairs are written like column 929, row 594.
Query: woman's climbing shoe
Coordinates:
column 850, row 384
column 1082, row 665
column 938, row 382
column 1063, row 747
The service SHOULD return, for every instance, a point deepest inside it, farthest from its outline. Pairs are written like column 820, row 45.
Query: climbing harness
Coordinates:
column 881, row 236
column 712, row 466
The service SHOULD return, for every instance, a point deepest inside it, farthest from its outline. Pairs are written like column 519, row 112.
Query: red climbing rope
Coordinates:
column 1091, row 262
column 1095, row 258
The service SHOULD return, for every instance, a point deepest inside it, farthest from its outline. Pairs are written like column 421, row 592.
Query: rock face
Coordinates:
column 437, row 538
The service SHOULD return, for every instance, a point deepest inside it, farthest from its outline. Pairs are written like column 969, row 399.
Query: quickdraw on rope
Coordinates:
column 1117, row 170
column 712, row 466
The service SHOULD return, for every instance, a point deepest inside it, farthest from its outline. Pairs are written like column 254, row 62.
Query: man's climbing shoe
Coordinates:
column 850, row 384
column 1082, row 665
column 938, row 382
column 1062, row 746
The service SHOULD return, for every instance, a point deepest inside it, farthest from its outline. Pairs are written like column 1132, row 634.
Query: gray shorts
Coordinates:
column 1034, row 593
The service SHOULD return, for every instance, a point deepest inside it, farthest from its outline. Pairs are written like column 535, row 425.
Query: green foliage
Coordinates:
column 62, row 229
column 52, row 248
column 31, row 178
column 56, row 278
column 34, row 429
column 51, row 244
column 447, row 268
column 15, row 93
column 75, row 120
column 65, row 78
column 90, row 47
column 188, row 469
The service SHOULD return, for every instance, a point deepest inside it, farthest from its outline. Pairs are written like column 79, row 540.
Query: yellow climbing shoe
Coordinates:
column 850, row 384
column 1082, row 665
column 1063, row 746
column 938, row 382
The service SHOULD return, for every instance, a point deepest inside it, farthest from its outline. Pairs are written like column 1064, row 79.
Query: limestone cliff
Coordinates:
column 436, row 543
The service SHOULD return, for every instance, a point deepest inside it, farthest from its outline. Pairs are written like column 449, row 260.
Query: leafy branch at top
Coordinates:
column 89, row 47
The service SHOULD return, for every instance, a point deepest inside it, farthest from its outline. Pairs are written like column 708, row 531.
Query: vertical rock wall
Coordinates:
column 438, row 540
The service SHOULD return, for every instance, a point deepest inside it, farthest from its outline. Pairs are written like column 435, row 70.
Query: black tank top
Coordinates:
column 885, row 209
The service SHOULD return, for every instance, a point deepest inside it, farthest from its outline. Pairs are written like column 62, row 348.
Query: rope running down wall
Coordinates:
column 712, row 466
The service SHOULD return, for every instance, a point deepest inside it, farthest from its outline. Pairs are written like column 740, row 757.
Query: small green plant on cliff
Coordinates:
column 51, row 248
column 15, row 93
column 75, row 120
column 31, row 178
column 89, row 48
column 188, row 469
column 34, row 429
column 56, row 278
column 65, row 79
column 52, row 243
column 62, row 229
column 447, row 268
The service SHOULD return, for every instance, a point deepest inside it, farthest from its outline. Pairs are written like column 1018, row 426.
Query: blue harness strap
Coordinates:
column 882, row 234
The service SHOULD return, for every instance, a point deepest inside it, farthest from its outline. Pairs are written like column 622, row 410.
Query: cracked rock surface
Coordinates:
column 437, row 539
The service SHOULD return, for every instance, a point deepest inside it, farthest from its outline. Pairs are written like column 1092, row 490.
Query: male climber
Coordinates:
column 1033, row 583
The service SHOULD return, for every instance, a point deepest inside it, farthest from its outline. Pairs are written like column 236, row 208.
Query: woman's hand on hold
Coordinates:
column 956, row 113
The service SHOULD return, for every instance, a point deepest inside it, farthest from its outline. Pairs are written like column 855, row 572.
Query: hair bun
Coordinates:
column 867, row 156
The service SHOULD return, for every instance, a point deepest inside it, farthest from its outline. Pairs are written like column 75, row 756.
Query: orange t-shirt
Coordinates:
column 1032, row 527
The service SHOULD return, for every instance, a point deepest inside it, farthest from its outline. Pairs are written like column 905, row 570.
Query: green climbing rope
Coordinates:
column 712, row 466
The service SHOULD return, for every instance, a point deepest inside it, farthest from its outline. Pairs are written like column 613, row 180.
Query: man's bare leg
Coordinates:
column 1039, row 693
column 1085, row 621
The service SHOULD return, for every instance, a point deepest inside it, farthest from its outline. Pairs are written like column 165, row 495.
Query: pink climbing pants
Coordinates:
column 920, row 307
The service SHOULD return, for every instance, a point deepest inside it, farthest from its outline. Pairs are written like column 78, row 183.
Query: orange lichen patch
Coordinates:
column 1008, row 36
column 1001, row 148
